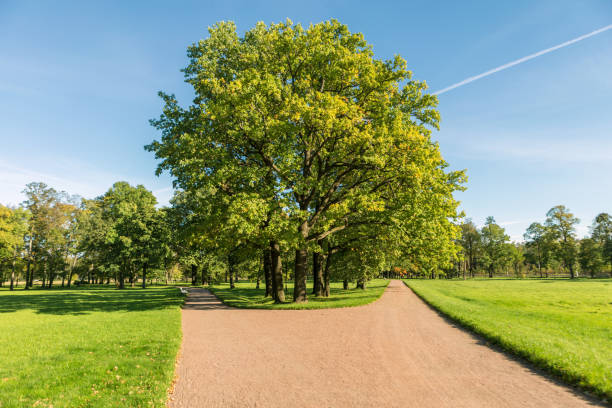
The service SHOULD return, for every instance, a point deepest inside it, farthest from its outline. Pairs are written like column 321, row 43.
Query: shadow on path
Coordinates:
column 203, row 299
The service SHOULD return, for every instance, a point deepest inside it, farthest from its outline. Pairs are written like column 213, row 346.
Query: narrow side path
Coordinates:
column 395, row 352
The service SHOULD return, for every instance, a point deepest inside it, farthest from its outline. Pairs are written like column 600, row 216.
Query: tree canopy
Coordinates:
column 299, row 137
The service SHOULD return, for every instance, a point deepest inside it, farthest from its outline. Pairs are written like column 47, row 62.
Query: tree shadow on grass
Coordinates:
column 80, row 301
column 251, row 298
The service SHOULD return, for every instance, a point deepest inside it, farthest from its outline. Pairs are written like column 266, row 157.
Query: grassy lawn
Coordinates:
column 245, row 295
column 88, row 347
column 562, row 326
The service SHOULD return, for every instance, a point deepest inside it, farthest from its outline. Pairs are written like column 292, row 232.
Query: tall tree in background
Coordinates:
column 536, row 240
column 601, row 232
column 129, row 213
column 13, row 228
column 42, row 202
column 515, row 254
column 494, row 239
column 297, row 130
column 70, row 239
column 589, row 256
column 470, row 241
column 92, row 243
column 562, row 225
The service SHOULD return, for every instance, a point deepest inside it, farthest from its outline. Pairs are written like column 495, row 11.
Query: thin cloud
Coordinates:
column 508, row 223
column 521, row 60
column 540, row 147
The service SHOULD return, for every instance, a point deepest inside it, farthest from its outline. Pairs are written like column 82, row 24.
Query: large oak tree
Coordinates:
column 298, row 132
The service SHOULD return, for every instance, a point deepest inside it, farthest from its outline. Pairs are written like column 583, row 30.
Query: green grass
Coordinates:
column 562, row 326
column 88, row 347
column 246, row 296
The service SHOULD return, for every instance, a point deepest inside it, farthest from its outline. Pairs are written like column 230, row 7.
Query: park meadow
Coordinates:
column 307, row 185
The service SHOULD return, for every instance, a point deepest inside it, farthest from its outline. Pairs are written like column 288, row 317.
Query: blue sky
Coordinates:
column 78, row 83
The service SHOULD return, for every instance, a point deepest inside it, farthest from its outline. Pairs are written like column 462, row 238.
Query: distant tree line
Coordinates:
column 551, row 248
column 123, row 238
column 120, row 237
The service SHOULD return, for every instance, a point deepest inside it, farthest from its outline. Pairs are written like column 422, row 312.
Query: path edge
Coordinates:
column 588, row 393
column 171, row 388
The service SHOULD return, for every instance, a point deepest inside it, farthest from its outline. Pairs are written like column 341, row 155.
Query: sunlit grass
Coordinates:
column 88, row 347
column 562, row 326
column 246, row 296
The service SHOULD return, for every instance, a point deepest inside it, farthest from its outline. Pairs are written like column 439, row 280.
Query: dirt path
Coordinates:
column 396, row 352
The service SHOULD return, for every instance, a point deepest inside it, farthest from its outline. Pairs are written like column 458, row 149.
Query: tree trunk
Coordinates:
column 29, row 272
column 267, row 272
column 230, row 268
column 326, row 288
column 204, row 276
column 361, row 284
column 13, row 271
column 278, row 291
column 345, row 284
column 300, row 272
column 32, row 275
column 121, row 283
column 144, row 275
column 317, row 272
column 471, row 261
column 71, row 271
column 540, row 269
column 194, row 276
column 132, row 273
column 299, row 288
column 315, row 277
column 27, row 277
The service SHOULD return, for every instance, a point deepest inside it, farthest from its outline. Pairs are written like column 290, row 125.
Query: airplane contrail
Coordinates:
column 521, row 60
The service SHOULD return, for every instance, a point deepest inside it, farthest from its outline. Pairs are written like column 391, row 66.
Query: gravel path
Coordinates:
column 395, row 352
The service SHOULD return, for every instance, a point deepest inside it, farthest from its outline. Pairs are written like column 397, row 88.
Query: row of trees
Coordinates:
column 120, row 236
column 551, row 247
column 38, row 237
column 54, row 236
